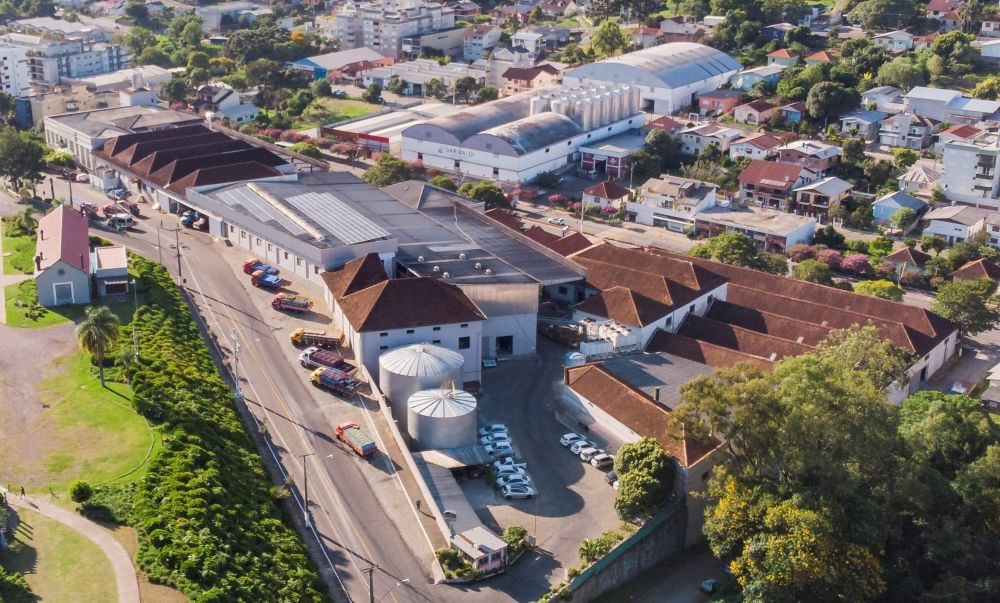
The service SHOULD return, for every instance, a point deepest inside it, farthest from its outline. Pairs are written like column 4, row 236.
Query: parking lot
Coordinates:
column 573, row 501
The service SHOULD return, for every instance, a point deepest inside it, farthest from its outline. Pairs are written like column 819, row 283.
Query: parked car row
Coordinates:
column 587, row 451
column 512, row 479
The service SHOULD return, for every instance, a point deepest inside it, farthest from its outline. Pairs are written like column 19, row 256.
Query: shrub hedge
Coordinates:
column 204, row 513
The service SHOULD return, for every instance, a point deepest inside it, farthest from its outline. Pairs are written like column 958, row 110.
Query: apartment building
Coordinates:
column 383, row 25
column 480, row 40
column 14, row 76
column 969, row 170
column 49, row 60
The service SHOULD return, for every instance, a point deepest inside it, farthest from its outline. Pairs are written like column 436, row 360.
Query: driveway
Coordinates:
column 675, row 581
column 979, row 354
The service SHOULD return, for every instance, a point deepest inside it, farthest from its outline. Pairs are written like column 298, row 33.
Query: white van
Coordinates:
column 120, row 222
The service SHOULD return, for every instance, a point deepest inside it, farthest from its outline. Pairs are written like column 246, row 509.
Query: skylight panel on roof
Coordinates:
column 260, row 209
column 338, row 218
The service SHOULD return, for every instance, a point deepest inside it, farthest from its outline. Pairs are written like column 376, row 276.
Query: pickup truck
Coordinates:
column 320, row 339
column 319, row 358
column 251, row 266
column 122, row 206
column 292, row 303
column 358, row 441
column 261, row 279
column 188, row 218
column 335, row 381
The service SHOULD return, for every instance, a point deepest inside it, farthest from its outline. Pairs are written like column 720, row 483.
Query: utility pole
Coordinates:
column 236, row 365
column 135, row 334
column 177, row 242
column 159, row 249
column 370, row 570
column 305, row 487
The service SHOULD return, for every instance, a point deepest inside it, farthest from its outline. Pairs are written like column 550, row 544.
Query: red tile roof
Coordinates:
column 962, row 130
column 978, row 269
column 740, row 339
column 625, row 306
column 770, row 174
column 784, row 327
column 762, row 141
column 696, row 350
column 404, row 303
column 758, row 105
column 63, row 235
column 664, row 123
column 529, row 73
column 608, row 190
column 541, row 236
column 359, row 273
column 782, row 53
column 909, row 255
column 822, row 56
column 637, row 411
column 570, row 244
column 504, row 217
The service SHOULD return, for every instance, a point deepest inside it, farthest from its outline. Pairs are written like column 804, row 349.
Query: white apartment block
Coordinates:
column 969, row 170
column 14, row 77
column 49, row 61
column 383, row 25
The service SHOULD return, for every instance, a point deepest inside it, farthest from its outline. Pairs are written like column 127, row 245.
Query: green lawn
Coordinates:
column 22, row 252
column 324, row 111
column 23, row 316
column 60, row 565
column 87, row 432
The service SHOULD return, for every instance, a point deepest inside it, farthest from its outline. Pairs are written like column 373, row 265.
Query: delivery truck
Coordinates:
column 314, row 357
column 265, row 280
column 291, row 303
column 357, row 440
column 253, row 265
column 322, row 339
column 335, row 381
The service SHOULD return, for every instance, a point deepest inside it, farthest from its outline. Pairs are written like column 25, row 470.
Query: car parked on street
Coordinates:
column 513, row 480
column 579, row 445
column 494, row 437
column 518, row 492
column 557, row 221
column 508, row 464
column 499, row 448
column 569, row 439
column 602, row 461
column 588, row 452
column 611, row 477
column 508, row 471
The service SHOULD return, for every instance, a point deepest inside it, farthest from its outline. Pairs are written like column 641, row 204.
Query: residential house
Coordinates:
column 957, row 133
column 887, row 99
column 671, row 202
column 793, row 112
column 907, row 131
column 695, row 140
column 990, row 51
column 955, row 223
column 531, row 41
column 949, row 105
column 557, row 9
column 977, row 270
column 969, row 170
column 862, row 123
column 666, row 124
column 992, row 228
column 62, row 258
column 939, row 9
column 718, row 101
column 783, row 56
column 553, row 36
column 820, row 57
column 220, row 98
column 484, row 550
column 480, row 39
column 908, row 259
column 771, row 184
column 818, row 198
column 925, row 41
column 754, row 112
column 919, row 179
column 329, row 65
column 644, row 37
column 466, row 8
column 756, row 146
column 519, row 79
column 895, row 41
column 748, row 78
column 606, row 194
column 777, row 31
column 990, row 27
column 772, row 231
column 812, row 154
column 677, row 29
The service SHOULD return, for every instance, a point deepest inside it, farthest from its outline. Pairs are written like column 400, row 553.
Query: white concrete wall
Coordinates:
column 369, row 346
column 952, row 232
column 511, row 310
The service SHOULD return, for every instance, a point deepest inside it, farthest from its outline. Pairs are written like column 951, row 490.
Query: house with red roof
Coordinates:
column 62, row 258
column 770, row 184
column 754, row 112
column 959, row 132
column 819, row 58
column 976, row 270
column 606, row 194
column 522, row 79
column 783, row 56
column 756, row 146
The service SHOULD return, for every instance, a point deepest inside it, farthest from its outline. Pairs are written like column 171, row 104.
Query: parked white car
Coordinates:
column 494, row 437
column 513, row 480
column 491, row 429
column 508, row 464
column 570, row 438
column 557, row 221
column 588, row 452
column 508, row 471
column 499, row 448
column 602, row 461
column 518, row 492
column 579, row 445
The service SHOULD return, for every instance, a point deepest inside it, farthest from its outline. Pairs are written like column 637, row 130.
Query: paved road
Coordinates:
column 353, row 527
column 125, row 578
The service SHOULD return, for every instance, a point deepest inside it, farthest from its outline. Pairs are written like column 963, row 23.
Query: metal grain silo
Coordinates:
column 538, row 105
column 406, row 370
column 441, row 418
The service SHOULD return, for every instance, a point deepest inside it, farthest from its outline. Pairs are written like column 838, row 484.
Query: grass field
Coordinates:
column 21, row 250
column 87, row 432
column 324, row 111
column 60, row 565
column 18, row 315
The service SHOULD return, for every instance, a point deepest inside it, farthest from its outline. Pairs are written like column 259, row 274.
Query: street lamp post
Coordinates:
column 236, row 365
column 135, row 334
column 305, row 486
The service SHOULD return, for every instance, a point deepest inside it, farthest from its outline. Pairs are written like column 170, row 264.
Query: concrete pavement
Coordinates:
column 125, row 577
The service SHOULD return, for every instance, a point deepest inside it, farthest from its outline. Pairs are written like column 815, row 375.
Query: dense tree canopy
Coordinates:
column 968, row 304
column 388, row 170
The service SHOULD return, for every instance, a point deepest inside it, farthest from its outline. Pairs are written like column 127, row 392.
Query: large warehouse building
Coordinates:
column 668, row 76
column 515, row 139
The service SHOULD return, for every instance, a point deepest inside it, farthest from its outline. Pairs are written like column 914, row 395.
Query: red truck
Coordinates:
column 291, row 303
column 253, row 265
column 360, row 442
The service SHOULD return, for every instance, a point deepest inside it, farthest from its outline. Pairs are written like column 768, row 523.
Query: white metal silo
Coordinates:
column 587, row 115
column 538, row 105
column 617, row 108
column 441, row 418
column 636, row 100
column 605, row 105
column 559, row 106
column 406, row 370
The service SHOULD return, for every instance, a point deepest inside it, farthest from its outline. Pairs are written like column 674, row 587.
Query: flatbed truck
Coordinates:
column 321, row 339
column 314, row 357
column 265, row 280
column 360, row 442
column 292, row 303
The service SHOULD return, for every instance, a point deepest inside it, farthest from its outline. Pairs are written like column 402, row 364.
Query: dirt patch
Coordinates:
column 26, row 359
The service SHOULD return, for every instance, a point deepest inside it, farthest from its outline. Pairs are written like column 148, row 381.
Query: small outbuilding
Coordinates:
column 62, row 258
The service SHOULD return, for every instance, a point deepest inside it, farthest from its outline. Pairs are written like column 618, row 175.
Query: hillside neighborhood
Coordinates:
column 506, row 300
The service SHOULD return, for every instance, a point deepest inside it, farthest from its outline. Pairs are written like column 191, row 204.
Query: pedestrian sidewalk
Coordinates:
column 125, row 576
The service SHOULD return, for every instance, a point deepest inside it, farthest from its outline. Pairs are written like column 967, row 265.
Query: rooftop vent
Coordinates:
column 461, row 256
column 437, row 269
column 420, row 258
column 488, row 272
column 479, row 265
column 446, row 275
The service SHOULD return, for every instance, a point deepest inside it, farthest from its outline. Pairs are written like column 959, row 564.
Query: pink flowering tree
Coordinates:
column 856, row 263
column 830, row 257
column 801, row 251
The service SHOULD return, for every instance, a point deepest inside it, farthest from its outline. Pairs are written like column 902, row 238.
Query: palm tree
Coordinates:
column 97, row 333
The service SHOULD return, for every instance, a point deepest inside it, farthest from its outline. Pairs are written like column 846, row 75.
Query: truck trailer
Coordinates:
column 360, row 442
column 314, row 357
column 322, row 339
column 291, row 303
